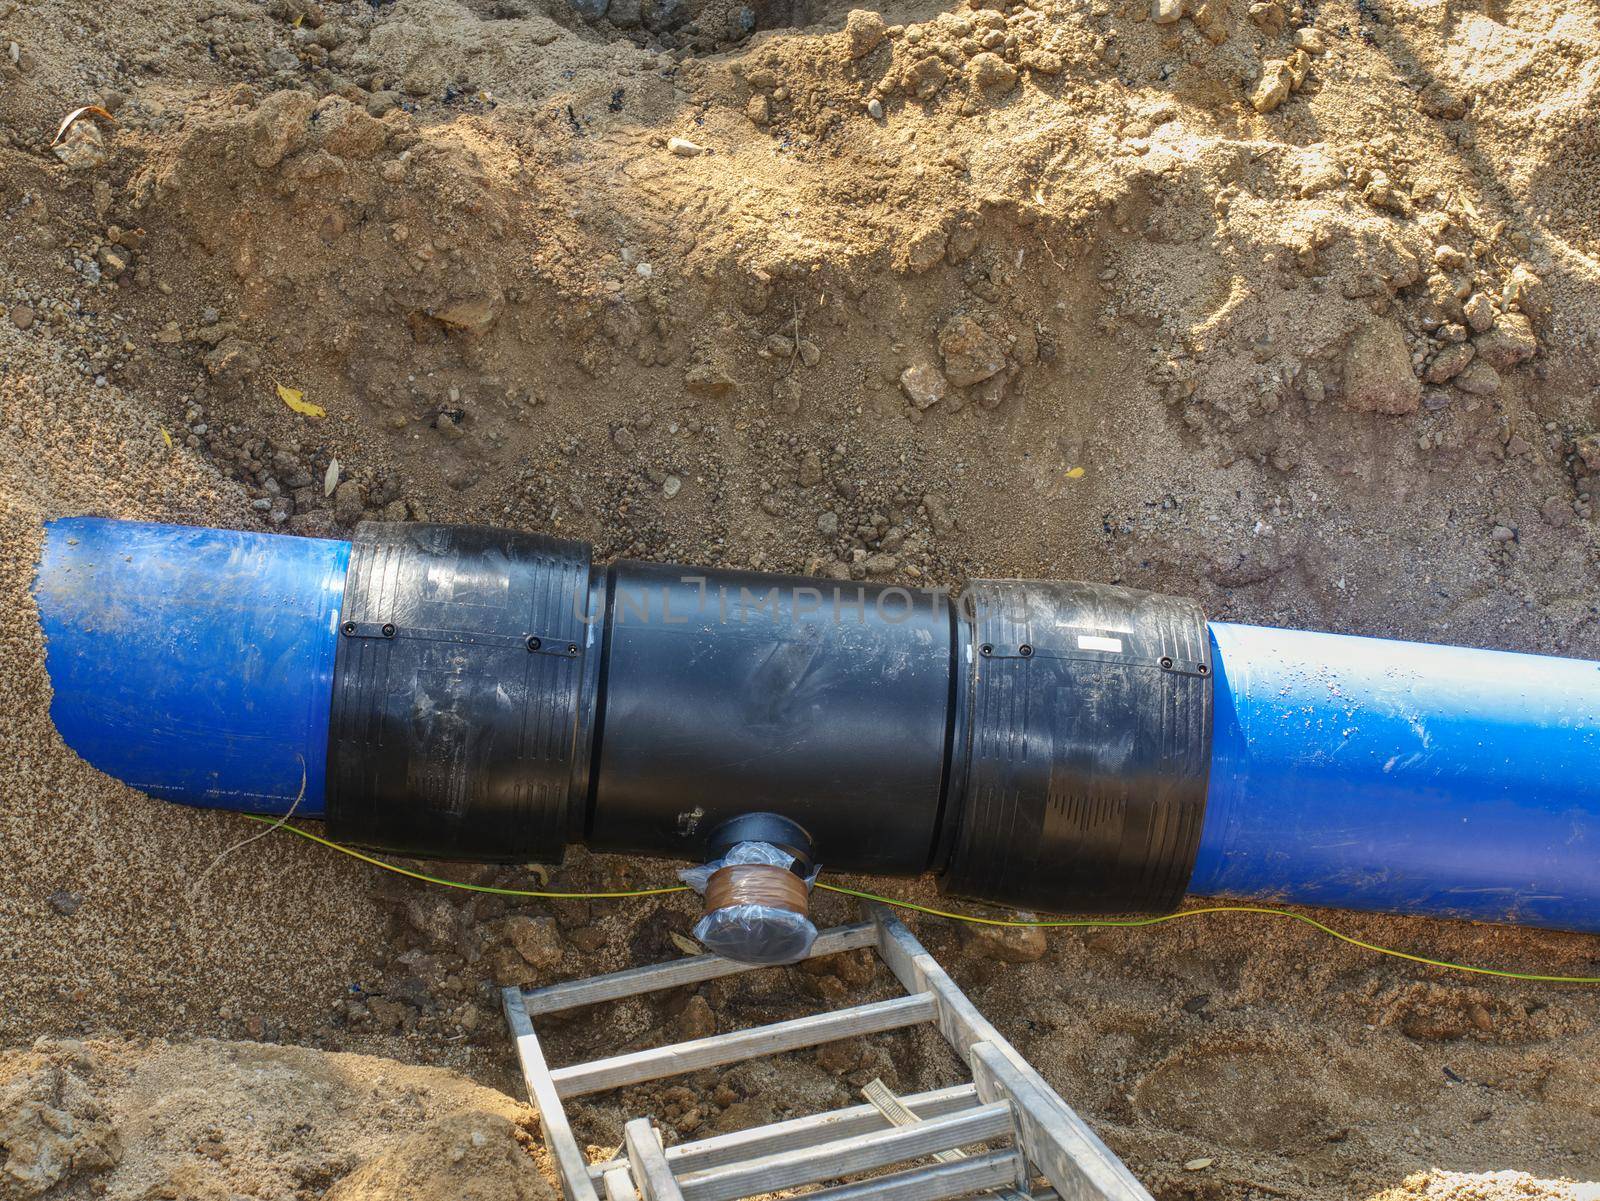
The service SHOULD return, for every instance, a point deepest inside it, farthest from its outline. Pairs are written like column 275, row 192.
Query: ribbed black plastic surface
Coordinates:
column 1088, row 743
column 456, row 692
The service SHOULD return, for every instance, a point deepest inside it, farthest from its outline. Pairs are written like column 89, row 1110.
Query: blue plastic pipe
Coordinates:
column 194, row 664
column 1363, row 773
column 197, row 665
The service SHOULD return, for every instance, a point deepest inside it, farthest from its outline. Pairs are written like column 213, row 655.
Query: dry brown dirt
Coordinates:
column 1287, row 306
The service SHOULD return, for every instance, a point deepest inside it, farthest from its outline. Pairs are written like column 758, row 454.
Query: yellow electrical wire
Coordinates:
column 1052, row 923
column 427, row 879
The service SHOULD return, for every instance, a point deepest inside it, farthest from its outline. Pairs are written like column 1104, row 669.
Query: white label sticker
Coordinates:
column 1094, row 642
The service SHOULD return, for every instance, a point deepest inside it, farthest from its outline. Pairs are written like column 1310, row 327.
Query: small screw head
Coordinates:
column 986, row 650
column 1166, row 663
column 534, row 643
column 1203, row 670
column 572, row 650
column 1025, row 650
column 388, row 630
column 349, row 629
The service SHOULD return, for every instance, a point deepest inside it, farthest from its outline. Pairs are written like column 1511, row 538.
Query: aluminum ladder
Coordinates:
column 1047, row 1152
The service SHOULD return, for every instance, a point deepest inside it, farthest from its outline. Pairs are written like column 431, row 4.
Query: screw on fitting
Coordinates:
column 757, row 887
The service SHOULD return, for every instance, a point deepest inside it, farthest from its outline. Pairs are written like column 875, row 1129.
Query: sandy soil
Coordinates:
column 1290, row 307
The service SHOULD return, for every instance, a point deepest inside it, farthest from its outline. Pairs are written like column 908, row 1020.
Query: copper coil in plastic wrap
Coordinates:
column 756, row 884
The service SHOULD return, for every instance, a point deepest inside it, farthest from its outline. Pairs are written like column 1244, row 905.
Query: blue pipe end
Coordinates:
column 194, row 664
column 1361, row 773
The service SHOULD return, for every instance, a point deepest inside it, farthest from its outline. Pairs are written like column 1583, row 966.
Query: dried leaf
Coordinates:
column 685, row 944
column 1074, row 473
column 330, row 481
column 166, row 437
column 295, row 399
column 1199, row 1165
column 88, row 110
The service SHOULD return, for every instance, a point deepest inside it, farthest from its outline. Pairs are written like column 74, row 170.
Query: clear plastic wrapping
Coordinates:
column 752, row 933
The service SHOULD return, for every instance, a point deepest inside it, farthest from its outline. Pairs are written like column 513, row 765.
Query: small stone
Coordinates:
column 709, row 379
column 1269, row 17
column 684, row 148
column 1510, row 342
column 1449, row 362
column 624, row 439
column 864, row 30
column 1310, row 39
column 433, row 916
column 828, row 523
column 1479, row 379
column 810, row 353
column 926, row 77
column 1007, row 944
column 349, row 502
column 1503, row 533
column 1165, row 12
column 1199, row 1165
column 536, row 939
column 1556, row 512
column 65, row 903
column 1277, row 81
column 923, row 384
column 114, row 260
column 1480, row 314
column 991, row 72
column 971, row 354
column 671, row 486
column 926, row 249
column 1377, row 371
column 759, row 110
column 810, row 469
column 695, row 1020
column 22, row 316
column 473, row 317
column 880, row 565
column 875, row 109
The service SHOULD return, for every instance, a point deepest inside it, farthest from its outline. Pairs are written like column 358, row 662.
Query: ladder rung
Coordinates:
column 845, row 1157
column 759, row 1141
column 677, row 973
column 958, row 1178
column 621, row 1070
